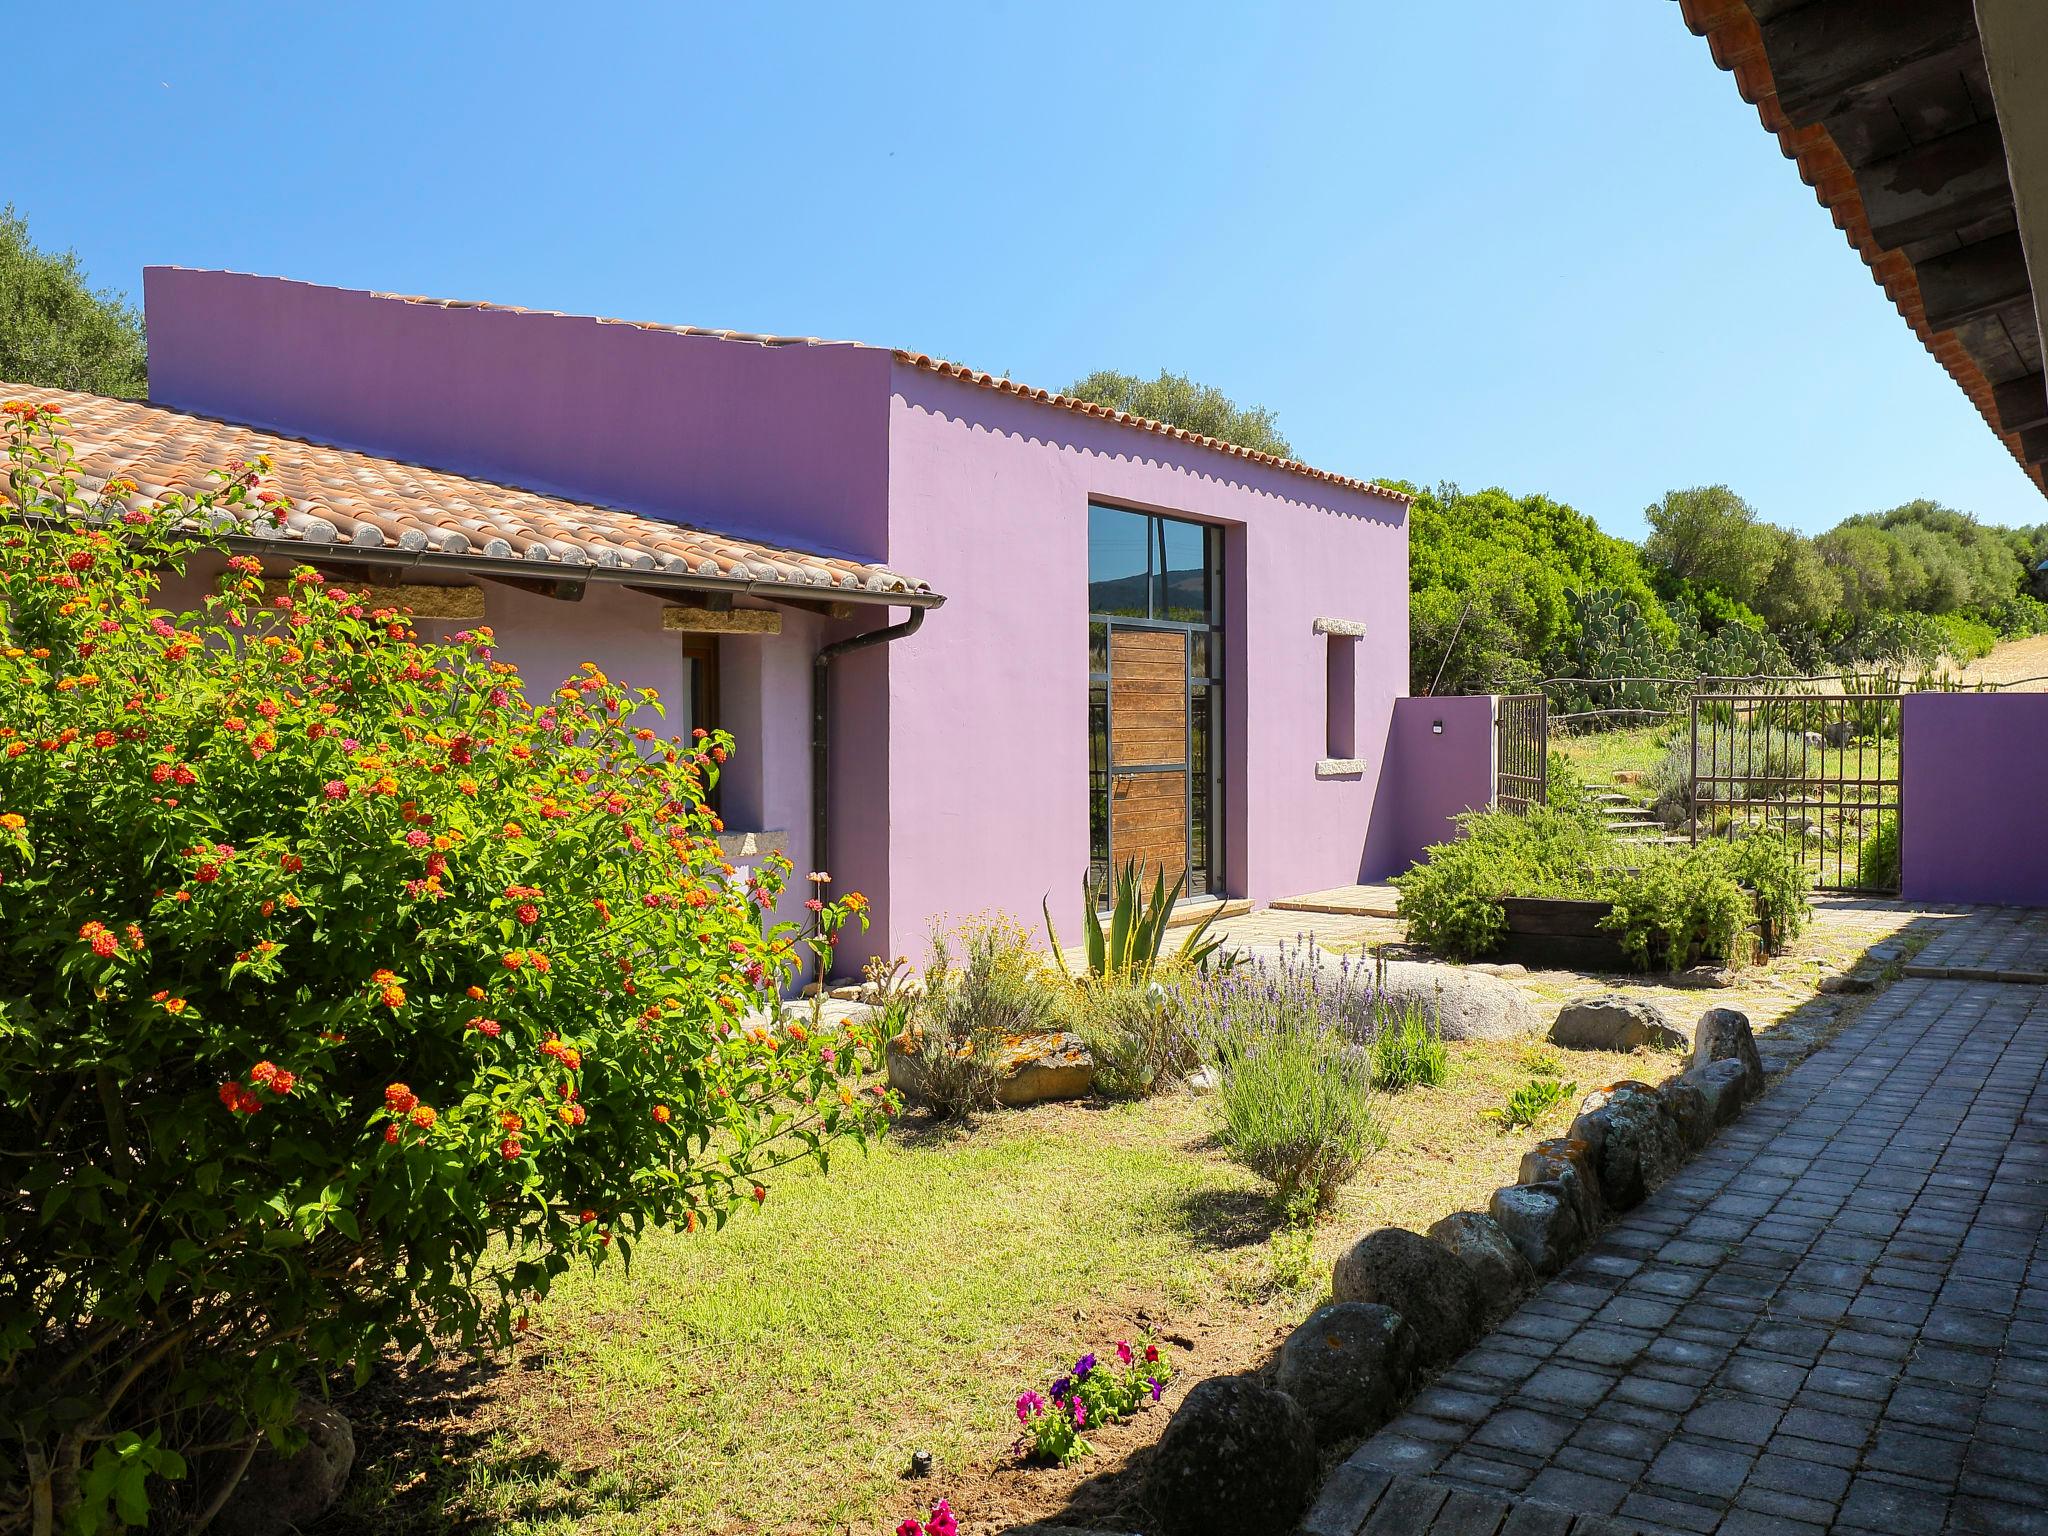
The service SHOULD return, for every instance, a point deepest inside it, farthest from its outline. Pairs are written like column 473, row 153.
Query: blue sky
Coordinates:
column 1546, row 247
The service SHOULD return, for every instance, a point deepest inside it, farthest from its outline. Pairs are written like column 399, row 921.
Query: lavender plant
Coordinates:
column 1296, row 1093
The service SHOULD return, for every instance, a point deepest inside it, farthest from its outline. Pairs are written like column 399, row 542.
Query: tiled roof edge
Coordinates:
column 976, row 376
column 1737, row 45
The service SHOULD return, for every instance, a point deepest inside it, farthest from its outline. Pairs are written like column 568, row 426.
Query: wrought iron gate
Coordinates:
column 1823, row 769
column 1521, row 751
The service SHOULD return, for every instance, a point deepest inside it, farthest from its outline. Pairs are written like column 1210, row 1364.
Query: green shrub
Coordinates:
column 1295, row 1094
column 1530, row 1103
column 1408, row 1051
column 1451, row 902
column 1567, row 793
column 1679, row 908
column 2018, row 616
column 1676, row 908
column 1140, row 1034
column 1968, row 638
column 352, row 996
column 970, row 1010
column 1769, row 868
column 1723, row 901
column 1877, row 861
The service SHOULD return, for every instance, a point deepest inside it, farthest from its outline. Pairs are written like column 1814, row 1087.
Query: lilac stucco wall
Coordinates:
column 1973, row 789
column 1431, row 778
column 785, row 442
column 987, row 753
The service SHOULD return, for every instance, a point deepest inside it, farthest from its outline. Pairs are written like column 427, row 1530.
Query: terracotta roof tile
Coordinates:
column 969, row 375
column 356, row 501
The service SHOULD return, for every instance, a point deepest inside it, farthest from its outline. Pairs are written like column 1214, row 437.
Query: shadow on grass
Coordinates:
column 1226, row 1219
column 428, row 1462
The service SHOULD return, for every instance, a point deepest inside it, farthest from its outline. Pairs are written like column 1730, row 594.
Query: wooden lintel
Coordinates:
column 425, row 602
column 730, row 621
column 1936, row 188
column 1829, row 56
column 2021, row 402
column 1973, row 281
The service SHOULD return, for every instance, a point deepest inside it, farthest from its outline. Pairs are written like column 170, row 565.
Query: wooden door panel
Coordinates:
column 1148, row 821
column 1148, row 697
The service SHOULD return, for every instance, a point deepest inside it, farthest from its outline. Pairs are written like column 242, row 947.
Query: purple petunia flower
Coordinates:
column 1083, row 1366
column 1154, row 1383
column 1062, row 1388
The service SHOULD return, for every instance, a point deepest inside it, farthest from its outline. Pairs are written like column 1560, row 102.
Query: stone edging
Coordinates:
column 1404, row 1305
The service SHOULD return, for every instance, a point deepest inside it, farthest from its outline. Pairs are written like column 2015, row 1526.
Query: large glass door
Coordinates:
column 1155, row 676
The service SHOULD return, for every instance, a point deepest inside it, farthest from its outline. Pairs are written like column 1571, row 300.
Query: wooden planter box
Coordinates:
column 1552, row 933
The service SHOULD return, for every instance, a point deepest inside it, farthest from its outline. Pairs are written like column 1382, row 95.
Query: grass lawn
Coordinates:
column 1598, row 754
column 775, row 1377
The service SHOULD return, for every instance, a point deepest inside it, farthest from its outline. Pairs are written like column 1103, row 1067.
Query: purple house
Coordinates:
column 973, row 639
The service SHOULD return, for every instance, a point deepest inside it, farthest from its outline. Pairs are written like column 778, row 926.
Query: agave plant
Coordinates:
column 1130, row 944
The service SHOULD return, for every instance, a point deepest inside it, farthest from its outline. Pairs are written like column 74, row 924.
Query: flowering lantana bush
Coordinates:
column 1093, row 1392
column 350, row 996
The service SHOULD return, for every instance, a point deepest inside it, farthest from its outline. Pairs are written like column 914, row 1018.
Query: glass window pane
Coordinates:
column 1118, row 565
column 1215, row 541
column 1098, row 648
column 1182, row 584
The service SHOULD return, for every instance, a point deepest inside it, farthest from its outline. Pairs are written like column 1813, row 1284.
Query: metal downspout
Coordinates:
column 821, row 723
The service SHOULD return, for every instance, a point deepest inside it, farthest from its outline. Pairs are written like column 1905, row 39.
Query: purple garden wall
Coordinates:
column 1974, row 796
column 1431, row 778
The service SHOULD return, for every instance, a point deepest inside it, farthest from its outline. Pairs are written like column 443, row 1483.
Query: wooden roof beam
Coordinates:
column 1974, row 281
column 1936, row 188
column 2021, row 402
column 1829, row 56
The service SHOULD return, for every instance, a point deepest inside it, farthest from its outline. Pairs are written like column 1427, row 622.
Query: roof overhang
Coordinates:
column 566, row 580
column 1922, row 127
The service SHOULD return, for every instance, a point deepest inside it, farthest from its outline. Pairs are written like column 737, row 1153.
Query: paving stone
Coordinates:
column 1745, row 1421
column 1520, row 1429
column 1537, row 1520
column 1893, row 1509
column 1466, row 1513
column 1668, row 1513
column 1346, row 1499
column 1407, row 1507
column 1715, row 1471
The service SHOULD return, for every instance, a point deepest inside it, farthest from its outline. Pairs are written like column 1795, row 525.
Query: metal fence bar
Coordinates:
column 1521, row 726
column 1814, row 767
